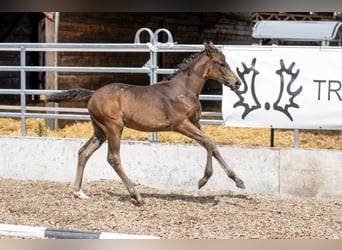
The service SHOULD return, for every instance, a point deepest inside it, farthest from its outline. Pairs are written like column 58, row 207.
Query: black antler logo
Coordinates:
column 288, row 96
column 292, row 94
column 248, row 107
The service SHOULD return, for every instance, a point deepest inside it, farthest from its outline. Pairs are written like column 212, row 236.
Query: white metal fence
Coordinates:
column 151, row 68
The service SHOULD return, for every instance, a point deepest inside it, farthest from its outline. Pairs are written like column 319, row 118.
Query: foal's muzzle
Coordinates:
column 233, row 85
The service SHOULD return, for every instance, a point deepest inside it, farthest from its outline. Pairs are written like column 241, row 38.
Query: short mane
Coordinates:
column 186, row 61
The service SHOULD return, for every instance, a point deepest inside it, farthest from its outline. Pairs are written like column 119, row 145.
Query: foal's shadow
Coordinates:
column 204, row 199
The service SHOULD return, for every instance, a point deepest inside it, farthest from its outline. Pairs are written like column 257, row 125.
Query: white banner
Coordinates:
column 284, row 87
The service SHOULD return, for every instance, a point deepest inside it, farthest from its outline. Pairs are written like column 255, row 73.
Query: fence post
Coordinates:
column 22, row 90
column 154, row 64
column 272, row 138
column 296, row 138
column 153, row 80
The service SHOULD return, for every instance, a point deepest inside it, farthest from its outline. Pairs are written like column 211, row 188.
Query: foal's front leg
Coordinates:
column 229, row 172
column 208, row 171
column 191, row 130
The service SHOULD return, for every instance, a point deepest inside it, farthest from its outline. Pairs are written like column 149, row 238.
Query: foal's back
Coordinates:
column 157, row 107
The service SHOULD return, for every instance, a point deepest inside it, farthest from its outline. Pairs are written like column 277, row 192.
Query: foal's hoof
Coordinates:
column 202, row 182
column 80, row 195
column 138, row 203
column 239, row 183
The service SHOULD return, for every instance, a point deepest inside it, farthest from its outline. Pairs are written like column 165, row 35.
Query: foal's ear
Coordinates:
column 210, row 48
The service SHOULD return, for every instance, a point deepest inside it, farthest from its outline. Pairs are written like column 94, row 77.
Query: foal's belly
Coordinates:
column 144, row 121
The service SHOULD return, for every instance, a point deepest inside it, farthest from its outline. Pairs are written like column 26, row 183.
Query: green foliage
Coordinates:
column 40, row 130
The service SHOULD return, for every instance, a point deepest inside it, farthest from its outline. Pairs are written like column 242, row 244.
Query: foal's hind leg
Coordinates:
column 84, row 154
column 114, row 160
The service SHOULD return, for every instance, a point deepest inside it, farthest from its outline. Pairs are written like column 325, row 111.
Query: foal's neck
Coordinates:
column 195, row 74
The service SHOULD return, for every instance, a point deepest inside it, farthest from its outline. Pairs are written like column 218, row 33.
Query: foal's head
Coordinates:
column 218, row 68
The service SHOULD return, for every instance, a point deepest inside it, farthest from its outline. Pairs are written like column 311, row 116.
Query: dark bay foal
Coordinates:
column 171, row 105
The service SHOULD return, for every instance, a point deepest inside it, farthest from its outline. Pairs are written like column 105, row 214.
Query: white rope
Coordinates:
column 43, row 232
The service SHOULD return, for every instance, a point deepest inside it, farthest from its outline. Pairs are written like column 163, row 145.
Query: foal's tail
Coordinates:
column 78, row 94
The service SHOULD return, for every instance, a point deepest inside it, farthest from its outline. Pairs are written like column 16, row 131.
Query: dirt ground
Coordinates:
column 170, row 215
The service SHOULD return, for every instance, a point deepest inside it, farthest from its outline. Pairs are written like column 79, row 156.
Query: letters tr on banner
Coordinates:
column 284, row 87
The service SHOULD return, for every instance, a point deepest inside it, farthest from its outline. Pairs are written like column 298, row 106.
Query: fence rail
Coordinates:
column 151, row 67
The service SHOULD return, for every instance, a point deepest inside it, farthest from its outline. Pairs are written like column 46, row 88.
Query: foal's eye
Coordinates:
column 222, row 64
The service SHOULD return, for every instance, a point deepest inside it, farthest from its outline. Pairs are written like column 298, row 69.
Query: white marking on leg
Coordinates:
column 80, row 194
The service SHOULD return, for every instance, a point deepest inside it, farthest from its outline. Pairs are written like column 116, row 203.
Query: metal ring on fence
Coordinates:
column 137, row 35
column 156, row 33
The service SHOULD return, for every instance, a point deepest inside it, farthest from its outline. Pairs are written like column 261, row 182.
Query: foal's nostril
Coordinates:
column 237, row 84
